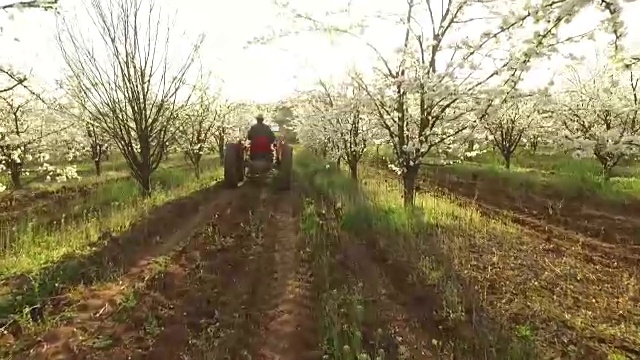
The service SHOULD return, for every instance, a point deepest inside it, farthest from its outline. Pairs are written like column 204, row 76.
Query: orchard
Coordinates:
column 464, row 185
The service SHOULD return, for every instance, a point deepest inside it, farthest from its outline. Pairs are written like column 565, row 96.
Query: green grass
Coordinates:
column 554, row 172
column 490, row 277
column 340, row 307
column 115, row 167
column 558, row 162
column 572, row 179
column 44, row 254
column 374, row 207
column 112, row 206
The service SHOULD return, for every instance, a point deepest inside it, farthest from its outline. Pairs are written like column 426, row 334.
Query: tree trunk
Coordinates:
column 196, row 158
column 353, row 169
column 409, row 186
column 98, row 165
column 221, row 152
column 16, row 175
column 507, row 160
column 607, row 172
column 145, row 169
column 196, row 168
column 145, row 181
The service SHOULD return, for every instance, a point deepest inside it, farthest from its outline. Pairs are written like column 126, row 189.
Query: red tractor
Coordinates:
column 257, row 160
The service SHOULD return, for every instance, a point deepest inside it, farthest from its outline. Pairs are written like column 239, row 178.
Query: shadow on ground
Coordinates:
column 398, row 243
column 235, row 289
column 116, row 255
column 591, row 215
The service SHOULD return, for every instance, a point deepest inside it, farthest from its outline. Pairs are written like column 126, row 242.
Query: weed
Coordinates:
column 342, row 308
column 41, row 248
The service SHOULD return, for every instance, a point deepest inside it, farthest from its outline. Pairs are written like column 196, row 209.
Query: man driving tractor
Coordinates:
column 262, row 139
column 259, row 162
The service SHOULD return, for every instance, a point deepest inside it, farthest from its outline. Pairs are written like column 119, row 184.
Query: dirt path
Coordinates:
column 230, row 283
column 592, row 217
column 208, row 306
column 576, row 295
column 597, row 227
column 289, row 333
column 77, row 310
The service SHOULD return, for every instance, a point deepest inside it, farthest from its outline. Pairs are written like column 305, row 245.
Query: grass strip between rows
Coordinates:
column 341, row 307
column 446, row 247
column 42, row 247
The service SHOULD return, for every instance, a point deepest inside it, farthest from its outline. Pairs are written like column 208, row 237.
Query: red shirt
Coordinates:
column 260, row 145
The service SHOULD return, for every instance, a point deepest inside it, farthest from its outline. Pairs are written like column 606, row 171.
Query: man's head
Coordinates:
column 260, row 118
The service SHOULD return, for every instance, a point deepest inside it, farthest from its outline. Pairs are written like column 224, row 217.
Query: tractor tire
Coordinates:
column 285, row 173
column 232, row 175
column 241, row 164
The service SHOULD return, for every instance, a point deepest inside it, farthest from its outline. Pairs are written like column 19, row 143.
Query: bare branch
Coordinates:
column 127, row 82
column 33, row 4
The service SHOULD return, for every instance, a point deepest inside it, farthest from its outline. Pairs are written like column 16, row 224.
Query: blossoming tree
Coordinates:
column 600, row 115
column 28, row 133
column 439, row 85
column 205, row 124
column 509, row 124
column 339, row 118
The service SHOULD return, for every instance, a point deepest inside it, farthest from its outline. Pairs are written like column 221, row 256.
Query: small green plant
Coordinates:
column 341, row 307
column 41, row 247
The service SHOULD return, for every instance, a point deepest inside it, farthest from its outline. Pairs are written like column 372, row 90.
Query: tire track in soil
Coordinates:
column 603, row 225
column 405, row 318
column 289, row 330
column 217, row 299
column 98, row 303
column 558, row 254
column 208, row 296
column 557, row 238
column 237, row 287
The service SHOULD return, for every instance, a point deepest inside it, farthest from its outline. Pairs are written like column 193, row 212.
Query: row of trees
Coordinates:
column 34, row 135
column 438, row 95
column 21, row 141
column 441, row 97
column 594, row 116
column 136, row 98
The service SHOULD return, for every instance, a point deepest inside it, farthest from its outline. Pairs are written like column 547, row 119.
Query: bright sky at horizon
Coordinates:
column 258, row 73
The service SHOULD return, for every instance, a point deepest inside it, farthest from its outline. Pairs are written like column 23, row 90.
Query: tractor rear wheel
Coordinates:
column 233, row 167
column 285, row 173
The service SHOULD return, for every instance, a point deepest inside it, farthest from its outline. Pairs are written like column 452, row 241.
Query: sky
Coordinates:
column 257, row 73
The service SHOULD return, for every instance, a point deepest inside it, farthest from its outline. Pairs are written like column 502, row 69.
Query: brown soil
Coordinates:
column 399, row 318
column 577, row 290
column 120, row 258
column 17, row 203
column 289, row 327
column 48, row 205
column 605, row 222
column 231, row 285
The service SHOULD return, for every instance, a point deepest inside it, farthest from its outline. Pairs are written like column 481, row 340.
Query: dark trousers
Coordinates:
column 267, row 156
